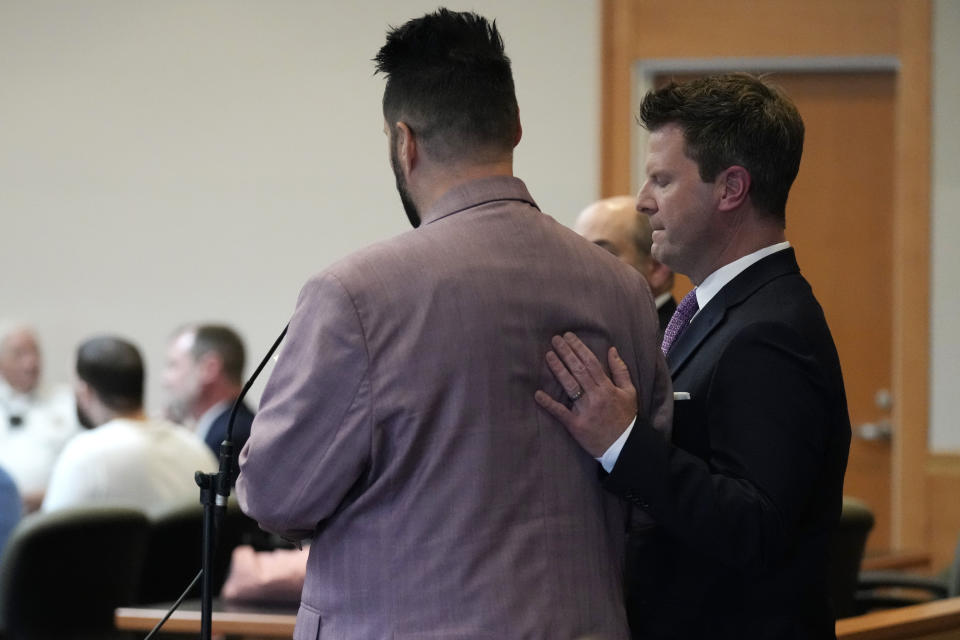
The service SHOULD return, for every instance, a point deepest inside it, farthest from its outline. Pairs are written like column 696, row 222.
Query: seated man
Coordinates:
column 616, row 225
column 125, row 458
column 35, row 423
column 203, row 378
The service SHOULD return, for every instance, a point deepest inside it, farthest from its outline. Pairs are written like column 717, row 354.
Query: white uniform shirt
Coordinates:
column 45, row 421
column 146, row 464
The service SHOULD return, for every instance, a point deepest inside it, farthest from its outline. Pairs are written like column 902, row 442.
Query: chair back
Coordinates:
column 173, row 553
column 953, row 574
column 63, row 573
column 846, row 553
column 175, row 548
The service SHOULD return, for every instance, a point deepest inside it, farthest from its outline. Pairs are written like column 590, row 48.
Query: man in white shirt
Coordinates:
column 35, row 422
column 616, row 225
column 125, row 458
column 747, row 493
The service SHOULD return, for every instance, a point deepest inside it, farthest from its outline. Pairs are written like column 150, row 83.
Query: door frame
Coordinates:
column 645, row 31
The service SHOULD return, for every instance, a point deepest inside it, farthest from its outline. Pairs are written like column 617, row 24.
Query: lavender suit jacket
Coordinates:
column 398, row 430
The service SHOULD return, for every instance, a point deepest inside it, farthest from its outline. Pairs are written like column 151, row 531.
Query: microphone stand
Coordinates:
column 214, row 495
column 214, row 506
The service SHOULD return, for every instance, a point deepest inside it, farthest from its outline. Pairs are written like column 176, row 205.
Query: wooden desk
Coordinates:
column 247, row 622
column 889, row 560
column 939, row 620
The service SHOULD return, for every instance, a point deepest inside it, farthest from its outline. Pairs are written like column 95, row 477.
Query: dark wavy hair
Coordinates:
column 735, row 119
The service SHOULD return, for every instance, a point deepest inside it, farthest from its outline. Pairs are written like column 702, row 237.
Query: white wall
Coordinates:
column 182, row 160
column 163, row 162
column 945, row 227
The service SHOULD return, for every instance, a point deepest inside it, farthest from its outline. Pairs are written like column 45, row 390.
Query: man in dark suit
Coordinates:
column 746, row 495
column 203, row 378
column 616, row 225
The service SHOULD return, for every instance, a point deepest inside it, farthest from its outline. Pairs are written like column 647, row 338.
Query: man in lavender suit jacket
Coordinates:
column 398, row 431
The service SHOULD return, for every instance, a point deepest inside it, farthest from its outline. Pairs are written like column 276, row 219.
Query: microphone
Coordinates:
column 227, row 474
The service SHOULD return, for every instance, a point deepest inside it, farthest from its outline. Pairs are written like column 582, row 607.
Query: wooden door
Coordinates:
column 839, row 219
column 639, row 35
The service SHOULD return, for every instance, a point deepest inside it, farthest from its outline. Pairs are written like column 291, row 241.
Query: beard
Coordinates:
column 413, row 215
column 182, row 395
column 84, row 419
column 180, row 404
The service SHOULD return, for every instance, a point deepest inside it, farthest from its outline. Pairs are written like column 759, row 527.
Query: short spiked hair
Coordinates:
column 450, row 81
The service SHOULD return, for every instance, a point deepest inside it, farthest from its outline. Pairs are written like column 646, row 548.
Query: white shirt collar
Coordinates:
column 206, row 420
column 662, row 299
column 718, row 279
column 15, row 402
column 9, row 393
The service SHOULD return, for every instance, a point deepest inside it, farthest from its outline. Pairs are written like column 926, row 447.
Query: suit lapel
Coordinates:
column 731, row 295
column 702, row 326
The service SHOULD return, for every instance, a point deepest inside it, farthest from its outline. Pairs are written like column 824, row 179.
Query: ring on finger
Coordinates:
column 577, row 395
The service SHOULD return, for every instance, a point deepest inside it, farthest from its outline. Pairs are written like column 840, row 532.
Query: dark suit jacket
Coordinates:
column 241, row 430
column 748, row 492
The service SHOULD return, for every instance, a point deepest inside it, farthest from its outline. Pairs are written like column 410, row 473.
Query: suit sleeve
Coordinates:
column 310, row 440
column 767, row 413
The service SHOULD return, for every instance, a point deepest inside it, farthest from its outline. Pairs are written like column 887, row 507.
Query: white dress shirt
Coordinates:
column 202, row 428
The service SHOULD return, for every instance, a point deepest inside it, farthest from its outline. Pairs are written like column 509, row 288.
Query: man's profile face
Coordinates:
column 681, row 206
column 413, row 215
column 20, row 360
column 181, row 377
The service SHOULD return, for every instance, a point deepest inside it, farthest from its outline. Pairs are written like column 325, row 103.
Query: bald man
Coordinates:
column 617, row 226
column 35, row 421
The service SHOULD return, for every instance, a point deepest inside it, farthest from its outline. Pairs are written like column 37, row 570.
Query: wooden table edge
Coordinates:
column 278, row 625
column 904, row 622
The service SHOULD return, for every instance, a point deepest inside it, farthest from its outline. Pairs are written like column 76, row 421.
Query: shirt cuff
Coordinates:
column 609, row 458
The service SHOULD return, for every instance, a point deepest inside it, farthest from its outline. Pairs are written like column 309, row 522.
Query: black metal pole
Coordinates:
column 207, row 483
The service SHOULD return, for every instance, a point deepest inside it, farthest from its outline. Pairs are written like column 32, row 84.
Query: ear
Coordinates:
column 209, row 365
column 734, row 185
column 87, row 399
column 519, row 131
column 408, row 152
column 82, row 392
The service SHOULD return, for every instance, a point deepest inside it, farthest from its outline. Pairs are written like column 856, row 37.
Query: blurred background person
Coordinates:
column 202, row 378
column 10, row 507
column 616, row 225
column 35, row 422
column 125, row 457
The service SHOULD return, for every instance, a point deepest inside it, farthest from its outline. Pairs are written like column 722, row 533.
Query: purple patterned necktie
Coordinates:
column 680, row 320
